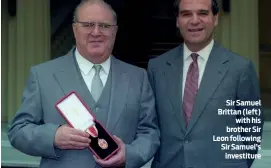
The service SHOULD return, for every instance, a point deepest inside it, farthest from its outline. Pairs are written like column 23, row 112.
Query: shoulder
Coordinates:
column 237, row 61
column 129, row 68
column 163, row 58
column 53, row 64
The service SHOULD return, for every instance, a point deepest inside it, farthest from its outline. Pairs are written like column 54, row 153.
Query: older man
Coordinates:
column 118, row 94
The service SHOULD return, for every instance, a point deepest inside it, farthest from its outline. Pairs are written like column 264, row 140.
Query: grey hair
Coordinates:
column 75, row 14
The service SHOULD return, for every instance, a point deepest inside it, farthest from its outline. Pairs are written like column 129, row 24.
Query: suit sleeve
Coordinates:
column 27, row 132
column 249, row 90
column 146, row 143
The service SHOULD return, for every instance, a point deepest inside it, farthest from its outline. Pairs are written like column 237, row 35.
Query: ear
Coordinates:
column 177, row 23
column 74, row 29
column 116, row 30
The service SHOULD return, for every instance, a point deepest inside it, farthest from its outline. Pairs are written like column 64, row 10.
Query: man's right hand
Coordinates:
column 70, row 138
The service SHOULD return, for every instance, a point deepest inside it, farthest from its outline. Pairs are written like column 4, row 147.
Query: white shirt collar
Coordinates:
column 85, row 65
column 203, row 53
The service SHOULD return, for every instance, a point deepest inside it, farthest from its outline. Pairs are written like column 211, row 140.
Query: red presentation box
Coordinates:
column 80, row 117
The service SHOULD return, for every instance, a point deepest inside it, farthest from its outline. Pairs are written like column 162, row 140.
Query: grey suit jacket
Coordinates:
column 132, row 115
column 227, row 76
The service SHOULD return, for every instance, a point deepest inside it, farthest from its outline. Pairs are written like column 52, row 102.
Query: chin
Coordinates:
column 96, row 51
column 196, row 40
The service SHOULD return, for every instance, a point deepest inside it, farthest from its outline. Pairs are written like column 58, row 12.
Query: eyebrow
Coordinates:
column 204, row 10
column 201, row 10
column 185, row 11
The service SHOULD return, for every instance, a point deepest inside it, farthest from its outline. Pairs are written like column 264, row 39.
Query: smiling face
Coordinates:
column 196, row 22
column 95, row 32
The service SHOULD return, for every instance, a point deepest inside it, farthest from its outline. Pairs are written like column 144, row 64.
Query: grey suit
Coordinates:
column 227, row 76
column 130, row 116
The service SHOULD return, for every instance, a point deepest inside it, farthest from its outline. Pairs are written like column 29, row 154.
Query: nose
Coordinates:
column 195, row 19
column 96, row 31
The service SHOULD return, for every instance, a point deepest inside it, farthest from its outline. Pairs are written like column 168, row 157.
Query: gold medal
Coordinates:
column 94, row 133
column 102, row 143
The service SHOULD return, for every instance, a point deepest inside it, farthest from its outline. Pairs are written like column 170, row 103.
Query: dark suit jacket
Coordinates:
column 227, row 76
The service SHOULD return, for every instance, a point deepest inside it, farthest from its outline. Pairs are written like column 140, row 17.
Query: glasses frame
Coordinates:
column 90, row 26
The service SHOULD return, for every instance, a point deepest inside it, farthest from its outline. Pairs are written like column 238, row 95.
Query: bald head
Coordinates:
column 94, row 2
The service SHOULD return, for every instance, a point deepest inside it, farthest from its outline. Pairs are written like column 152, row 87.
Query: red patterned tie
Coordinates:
column 191, row 88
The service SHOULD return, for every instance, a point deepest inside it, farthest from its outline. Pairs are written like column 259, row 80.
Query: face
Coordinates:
column 95, row 32
column 196, row 21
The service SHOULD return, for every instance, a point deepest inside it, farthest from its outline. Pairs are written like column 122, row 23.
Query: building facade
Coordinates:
column 35, row 31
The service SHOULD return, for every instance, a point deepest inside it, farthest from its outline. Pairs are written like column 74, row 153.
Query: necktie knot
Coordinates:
column 97, row 68
column 194, row 57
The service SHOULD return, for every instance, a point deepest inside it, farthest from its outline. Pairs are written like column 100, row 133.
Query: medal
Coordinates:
column 102, row 143
column 94, row 133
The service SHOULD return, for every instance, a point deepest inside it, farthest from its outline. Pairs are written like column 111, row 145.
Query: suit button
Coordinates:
column 186, row 141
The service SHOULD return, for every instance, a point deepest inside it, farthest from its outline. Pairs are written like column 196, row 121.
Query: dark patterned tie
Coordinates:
column 191, row 88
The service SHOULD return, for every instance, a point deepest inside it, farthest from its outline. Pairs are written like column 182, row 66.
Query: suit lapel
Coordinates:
column 214, row 72
column 120, row 82
column 70, row 78
column 173, row 76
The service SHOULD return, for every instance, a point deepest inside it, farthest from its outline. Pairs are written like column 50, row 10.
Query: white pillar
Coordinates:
column 31, row 46
column 238, row 29
column 4, row 59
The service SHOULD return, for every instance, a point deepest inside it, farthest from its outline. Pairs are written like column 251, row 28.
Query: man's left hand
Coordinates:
column 116, row 160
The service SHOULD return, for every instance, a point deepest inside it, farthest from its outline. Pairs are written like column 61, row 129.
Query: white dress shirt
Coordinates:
column 202, row 60
column 88, row 72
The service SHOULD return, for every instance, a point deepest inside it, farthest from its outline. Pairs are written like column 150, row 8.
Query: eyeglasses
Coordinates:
column 90, row 26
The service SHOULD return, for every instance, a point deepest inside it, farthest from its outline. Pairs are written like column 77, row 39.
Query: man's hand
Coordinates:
column 71, row 138
column 116, row 160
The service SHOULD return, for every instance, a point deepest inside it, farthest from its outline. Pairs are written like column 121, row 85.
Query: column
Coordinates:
column 32, row 46
column 244, row 29
column 238, row 29
column 11, row 73
column 4, row 59
column 222, row 32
